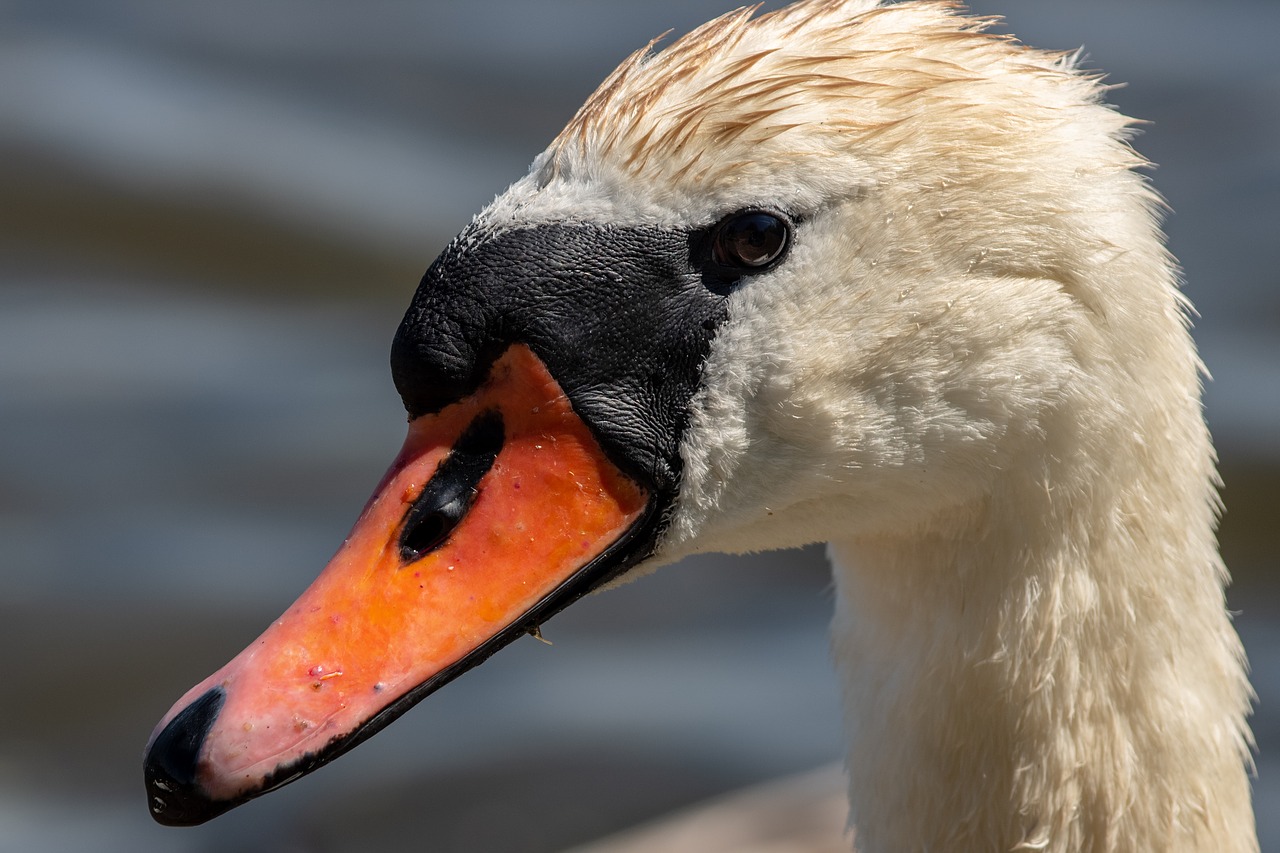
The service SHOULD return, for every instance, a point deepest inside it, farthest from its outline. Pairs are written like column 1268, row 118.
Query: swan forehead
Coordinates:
column 811, row 85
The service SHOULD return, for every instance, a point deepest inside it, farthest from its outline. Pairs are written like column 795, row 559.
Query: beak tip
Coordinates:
column 174, row 796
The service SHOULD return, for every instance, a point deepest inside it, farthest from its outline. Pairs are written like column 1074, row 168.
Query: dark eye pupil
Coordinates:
column 750, row 240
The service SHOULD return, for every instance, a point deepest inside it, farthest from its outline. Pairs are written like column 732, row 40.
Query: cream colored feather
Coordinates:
column 973, row 377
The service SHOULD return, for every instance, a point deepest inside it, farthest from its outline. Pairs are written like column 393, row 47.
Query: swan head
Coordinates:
column 966, row 240
column 821, row 273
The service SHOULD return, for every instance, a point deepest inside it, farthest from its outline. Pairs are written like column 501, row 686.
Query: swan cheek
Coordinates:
column 500, row 510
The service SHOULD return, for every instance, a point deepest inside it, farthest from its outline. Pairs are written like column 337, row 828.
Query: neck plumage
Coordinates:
column 1052, row 668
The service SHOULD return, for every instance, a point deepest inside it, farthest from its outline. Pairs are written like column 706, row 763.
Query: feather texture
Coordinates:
column 973, row 376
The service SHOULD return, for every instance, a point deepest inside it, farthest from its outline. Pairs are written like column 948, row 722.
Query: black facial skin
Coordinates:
column 623, row 318
column 620, row 317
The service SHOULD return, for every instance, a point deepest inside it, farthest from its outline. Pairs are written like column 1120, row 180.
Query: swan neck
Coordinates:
column 1050, row 668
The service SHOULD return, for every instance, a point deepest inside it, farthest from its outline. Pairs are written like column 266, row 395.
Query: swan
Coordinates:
column 845, row 272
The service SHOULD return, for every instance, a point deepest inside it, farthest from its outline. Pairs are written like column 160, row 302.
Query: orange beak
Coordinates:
column 500, row 510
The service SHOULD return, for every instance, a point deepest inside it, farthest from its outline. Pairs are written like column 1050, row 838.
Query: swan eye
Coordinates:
column 750, row 242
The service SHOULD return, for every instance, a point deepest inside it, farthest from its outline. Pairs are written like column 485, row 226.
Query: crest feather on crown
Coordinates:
column 812, row 79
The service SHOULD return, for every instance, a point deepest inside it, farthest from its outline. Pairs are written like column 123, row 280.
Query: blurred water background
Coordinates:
column 211, row 218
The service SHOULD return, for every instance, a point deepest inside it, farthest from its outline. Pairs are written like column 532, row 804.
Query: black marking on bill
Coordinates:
column 453, row 488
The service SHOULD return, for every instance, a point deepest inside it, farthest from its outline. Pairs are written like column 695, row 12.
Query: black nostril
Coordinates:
column 453, row 488
column 427, row 530
column 170, row 764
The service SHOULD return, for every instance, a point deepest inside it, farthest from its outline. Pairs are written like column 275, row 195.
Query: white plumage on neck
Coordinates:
column 1044, row 670
column 972, row 376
